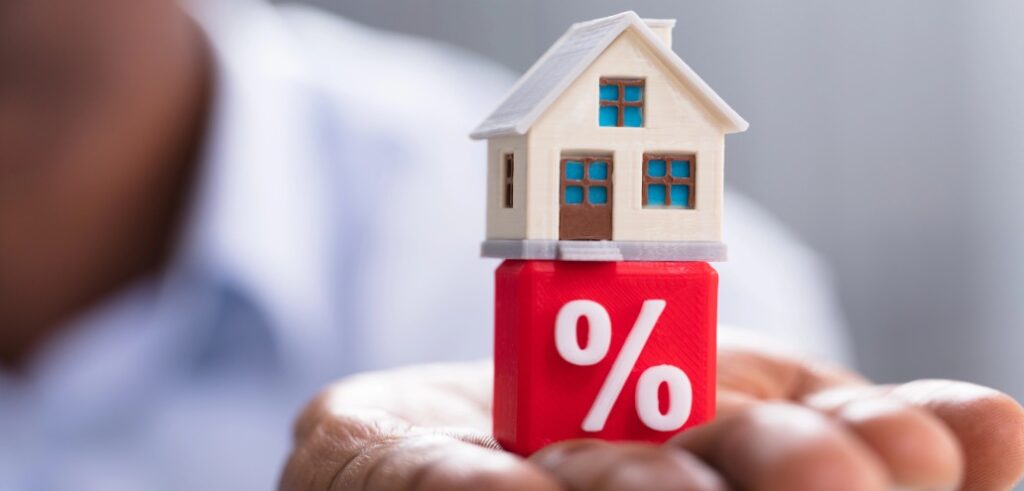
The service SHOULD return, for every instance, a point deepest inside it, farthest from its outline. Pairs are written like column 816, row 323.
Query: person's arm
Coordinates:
column 784, row 423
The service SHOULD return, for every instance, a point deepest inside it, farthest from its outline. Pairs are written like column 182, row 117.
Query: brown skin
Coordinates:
column 101, row 108
column 784, row 423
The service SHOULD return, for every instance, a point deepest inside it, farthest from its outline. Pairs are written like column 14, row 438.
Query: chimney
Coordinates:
column 662, row 29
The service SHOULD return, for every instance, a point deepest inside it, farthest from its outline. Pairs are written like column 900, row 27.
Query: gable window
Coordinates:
column 507, row 173
column 621, row 102
column 669, row 181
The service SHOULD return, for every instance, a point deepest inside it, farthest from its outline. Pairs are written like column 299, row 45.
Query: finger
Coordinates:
column 753, row 367
column 728, row 402
column 593, row 465
column 778, row 446
column 988, row 424
column 918, row 449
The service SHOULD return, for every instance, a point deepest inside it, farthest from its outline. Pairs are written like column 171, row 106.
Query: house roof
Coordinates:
column 565, row 60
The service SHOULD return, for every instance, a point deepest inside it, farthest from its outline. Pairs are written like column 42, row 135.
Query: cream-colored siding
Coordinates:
column 674, row 122
column 506, row 223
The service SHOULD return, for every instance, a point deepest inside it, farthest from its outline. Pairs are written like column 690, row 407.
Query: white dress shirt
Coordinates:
column 335, row 228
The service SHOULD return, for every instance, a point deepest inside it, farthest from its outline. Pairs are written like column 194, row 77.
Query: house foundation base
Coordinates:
column 604, row 250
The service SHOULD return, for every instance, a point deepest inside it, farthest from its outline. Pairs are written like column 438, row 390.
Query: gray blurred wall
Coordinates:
column 889, row 135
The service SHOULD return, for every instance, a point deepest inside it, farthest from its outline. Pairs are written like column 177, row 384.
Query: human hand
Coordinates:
column 783, row 423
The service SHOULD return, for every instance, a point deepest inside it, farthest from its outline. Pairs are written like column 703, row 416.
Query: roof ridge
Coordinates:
column 620, row 15
column 570, row 56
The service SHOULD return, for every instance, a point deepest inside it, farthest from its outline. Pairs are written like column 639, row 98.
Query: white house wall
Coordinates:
column 506, row 223
column 674, row 122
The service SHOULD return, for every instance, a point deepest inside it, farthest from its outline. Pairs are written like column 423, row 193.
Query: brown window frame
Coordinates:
column 508, row 166
column 622, row 103
column 586, row 182
column 668, row 180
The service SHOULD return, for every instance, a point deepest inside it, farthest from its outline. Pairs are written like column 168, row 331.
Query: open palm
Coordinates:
column 784, row 423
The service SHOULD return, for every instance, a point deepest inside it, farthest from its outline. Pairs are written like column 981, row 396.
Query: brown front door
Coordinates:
column 586, row 199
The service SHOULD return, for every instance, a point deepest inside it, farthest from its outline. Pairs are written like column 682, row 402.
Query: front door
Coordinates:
column 586, row 199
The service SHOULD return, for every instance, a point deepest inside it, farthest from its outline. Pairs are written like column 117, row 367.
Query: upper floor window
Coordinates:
column 621, row 102
column 668, row 181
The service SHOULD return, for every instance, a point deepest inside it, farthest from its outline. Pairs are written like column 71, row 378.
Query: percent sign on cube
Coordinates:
column 617, row 351
column 599, row 336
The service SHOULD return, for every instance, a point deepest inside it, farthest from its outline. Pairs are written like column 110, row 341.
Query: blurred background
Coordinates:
column 888, row 135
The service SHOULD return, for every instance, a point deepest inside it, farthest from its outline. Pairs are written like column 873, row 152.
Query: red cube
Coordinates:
column 611, row 350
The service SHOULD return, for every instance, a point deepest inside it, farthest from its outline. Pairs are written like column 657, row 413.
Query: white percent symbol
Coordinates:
column 599, row 325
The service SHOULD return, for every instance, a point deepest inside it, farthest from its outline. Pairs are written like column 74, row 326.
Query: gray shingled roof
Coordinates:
column 545, row 81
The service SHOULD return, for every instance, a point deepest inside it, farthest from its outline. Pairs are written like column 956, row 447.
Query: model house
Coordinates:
column 609, row 148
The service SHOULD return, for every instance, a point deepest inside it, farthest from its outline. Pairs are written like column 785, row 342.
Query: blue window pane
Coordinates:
column 655, row 195
column 598, row 195
column 610, row 92
column 680, row 196
column 574, row 170
column 599, row 170
column 634, row 93
column 573, row 195
column 609, row 116
column 656, row 168
column 632, row 116
column 680, row 168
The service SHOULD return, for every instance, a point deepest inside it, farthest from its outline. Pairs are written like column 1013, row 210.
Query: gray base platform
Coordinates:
column 604, row 250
